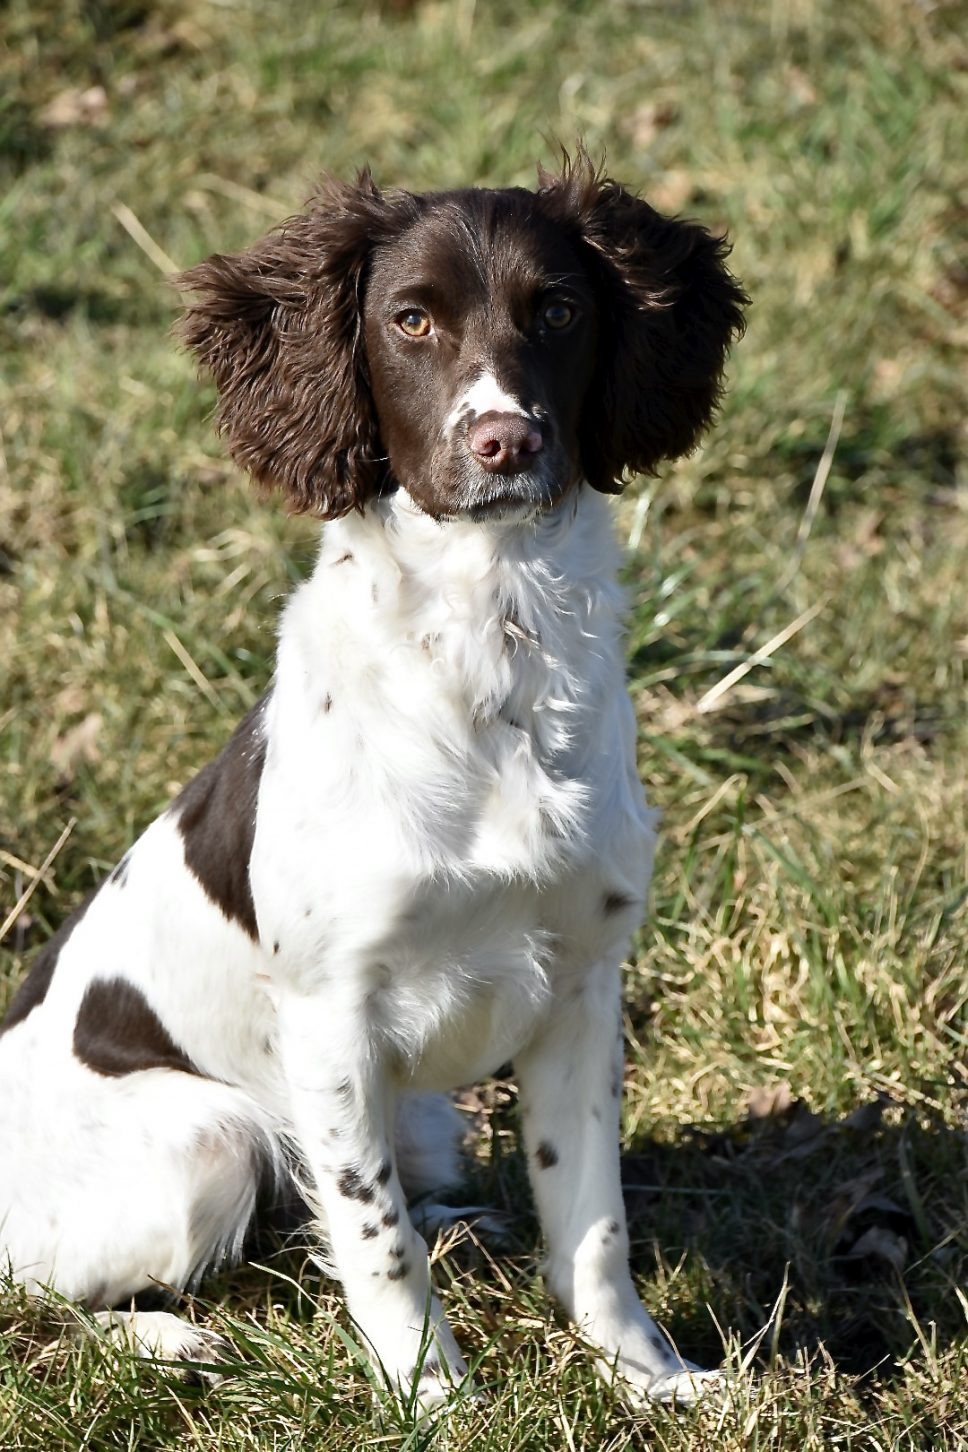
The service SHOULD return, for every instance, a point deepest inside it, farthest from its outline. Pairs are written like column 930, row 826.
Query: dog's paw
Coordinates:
column 433, row 1391
column 432, row 1219
column 687, row 1387
column 439, row 1382
column 160, row 1336
column 679, row 1384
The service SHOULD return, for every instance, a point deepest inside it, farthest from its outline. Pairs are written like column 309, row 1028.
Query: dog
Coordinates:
column 424, row 851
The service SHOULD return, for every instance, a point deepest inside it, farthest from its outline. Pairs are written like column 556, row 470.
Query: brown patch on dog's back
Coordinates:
column 117, row 1032
column 216, row 817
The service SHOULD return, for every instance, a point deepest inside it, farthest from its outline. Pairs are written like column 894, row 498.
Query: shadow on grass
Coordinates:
column 865, row 1219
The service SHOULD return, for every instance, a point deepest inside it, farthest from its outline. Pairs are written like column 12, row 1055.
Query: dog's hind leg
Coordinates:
column 114, row 1186
column 428, row 1136
column 161, row 1336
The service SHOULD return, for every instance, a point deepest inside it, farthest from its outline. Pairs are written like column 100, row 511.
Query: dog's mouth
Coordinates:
column 515, row 497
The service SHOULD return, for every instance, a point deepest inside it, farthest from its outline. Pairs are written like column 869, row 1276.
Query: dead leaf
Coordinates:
column 799, row 87
column 69, row 701
column 76, row 107
column 157, row 39
column 877, row 1243
column 805, row 1129
column 648, row 120
column 851, row 1194
column 671, row 191
column 78, row 743
column 770, row 1101
column 857, row 1200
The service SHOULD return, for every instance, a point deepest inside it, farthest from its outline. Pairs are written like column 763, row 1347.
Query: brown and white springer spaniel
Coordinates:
column 423, row 853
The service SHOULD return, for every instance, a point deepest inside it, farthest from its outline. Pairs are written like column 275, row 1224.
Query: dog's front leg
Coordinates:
column 570, row 1079
column 342, row 1107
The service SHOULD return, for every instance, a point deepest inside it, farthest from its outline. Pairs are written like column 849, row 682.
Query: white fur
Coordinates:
column 451, row 851
column 158, row 1335
column 485, row 395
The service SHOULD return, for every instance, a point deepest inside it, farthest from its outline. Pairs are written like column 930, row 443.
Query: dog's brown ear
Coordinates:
column 279, row 329
column 669, row 309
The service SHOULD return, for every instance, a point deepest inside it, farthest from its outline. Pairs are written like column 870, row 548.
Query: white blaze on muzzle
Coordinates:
column 485, row 395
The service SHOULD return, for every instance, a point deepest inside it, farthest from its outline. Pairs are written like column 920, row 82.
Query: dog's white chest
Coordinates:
column 447, row 781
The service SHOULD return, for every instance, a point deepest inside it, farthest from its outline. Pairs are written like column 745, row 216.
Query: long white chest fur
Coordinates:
column 450, row 820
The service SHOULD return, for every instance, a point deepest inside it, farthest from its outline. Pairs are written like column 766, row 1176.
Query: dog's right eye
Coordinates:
column 414, row 322
column 557, row 315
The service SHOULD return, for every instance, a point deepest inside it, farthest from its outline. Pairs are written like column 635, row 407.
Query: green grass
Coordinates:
column 797, row 1091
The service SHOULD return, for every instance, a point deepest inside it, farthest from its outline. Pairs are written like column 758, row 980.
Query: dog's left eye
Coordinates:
column 557, row 315
column 414, row 322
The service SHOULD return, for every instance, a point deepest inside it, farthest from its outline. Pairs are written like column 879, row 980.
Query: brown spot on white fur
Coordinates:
column 352, row 1184
column 118, row 1032
column 215, row 814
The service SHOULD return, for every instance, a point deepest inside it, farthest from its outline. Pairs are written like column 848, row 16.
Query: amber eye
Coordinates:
column 414, row 322
column 557, row 315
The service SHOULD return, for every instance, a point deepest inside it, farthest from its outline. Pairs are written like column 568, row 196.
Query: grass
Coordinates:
column 797, row 1154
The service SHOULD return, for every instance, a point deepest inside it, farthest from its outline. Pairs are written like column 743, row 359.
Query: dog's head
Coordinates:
column 483, row 349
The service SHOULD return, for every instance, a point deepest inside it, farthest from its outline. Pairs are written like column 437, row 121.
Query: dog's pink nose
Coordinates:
column 504, row 443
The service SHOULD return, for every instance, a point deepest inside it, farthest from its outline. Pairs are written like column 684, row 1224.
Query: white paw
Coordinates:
column 432, row 1390
column 439, row 1382
column 444, row 1399
column 160, row 1336
column 436, row 1391
column 430, row 1218
column 688, row 1387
